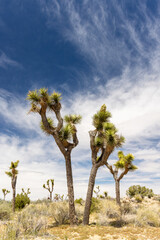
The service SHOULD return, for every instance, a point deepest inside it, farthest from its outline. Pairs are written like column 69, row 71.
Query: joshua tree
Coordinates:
column 13, row 174
column 103, row 140
column 5, row 192
column 64, row 136
column 49, row 187
column 125, row 164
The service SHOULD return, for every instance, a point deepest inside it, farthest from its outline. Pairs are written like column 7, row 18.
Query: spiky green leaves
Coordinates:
column 99, row 141
column 66, row 132
column 13, row 167
column 9, row 174
column 41, row 96
column 55, row 97
column 125, row 161
column 33, row 96
column 50, row 123
column 101, row 117
column 14, row 164
column 72, row 119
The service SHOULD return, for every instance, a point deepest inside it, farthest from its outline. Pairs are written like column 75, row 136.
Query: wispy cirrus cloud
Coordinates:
column 5, row 61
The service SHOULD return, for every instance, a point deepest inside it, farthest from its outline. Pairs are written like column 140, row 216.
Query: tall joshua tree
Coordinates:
column 5, row 192
column 49, row 187
column 103, row 140
column 13, row 174
column 65, row 136
column 125, row 165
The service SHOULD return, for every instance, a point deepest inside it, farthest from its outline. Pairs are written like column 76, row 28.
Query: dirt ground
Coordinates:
column 105, row 233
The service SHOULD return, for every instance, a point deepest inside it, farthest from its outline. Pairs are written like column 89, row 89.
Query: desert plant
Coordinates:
column 59, row 211
column 22, row 199
column 79, row 201
column 95, row 206
column 147, row 216
column 138, row 198
column 49, row 187
column 58, row 197
column 65, row 136
column 138, row 190
column 5, row 210
column 5, row 192
column 124, row 163
column 103, row 140
column 110, row 209
column 96, row 191
column 13, row 174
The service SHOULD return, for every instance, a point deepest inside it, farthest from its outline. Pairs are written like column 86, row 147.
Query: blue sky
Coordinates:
column 93, row 52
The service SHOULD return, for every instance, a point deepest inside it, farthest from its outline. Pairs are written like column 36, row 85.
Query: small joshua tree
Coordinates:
column 103, row 140
column 49, row 187
column 97, row 191
column 65, row 136
column 13, row 174
column 5, row 192
column 125, row 165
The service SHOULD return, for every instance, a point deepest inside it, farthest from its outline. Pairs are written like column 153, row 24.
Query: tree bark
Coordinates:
column 72, row 212
column 117, row 183
column 50, row 196
column 89, row 195
column 13, row 203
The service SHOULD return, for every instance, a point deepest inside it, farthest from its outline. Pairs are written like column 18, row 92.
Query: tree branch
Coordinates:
column 124, row 172
column 110, row 168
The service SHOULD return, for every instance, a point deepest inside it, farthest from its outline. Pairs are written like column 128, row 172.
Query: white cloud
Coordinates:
column 5, row 61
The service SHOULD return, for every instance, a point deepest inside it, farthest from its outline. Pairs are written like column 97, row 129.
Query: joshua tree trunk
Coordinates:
column 13, row 203
column 89, row 195
column 117, row 183
column 50, row 196
column 14, row 180
column 72, row 212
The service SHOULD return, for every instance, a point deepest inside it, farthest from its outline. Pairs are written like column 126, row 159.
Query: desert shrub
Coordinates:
column 79, row 211
column 156, row 197
column 79, row 201
column 138, row 198
column 147, row 216
column 95, row 206
column 126, row 208
column 5, row 210
column 21, row 200
column 138, row 190
column 110, row 209
column 60, row 212
column 40, row 209
column 12, row 232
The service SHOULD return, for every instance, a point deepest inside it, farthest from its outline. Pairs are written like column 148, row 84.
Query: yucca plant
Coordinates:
column 49, row 186
column 13, row 174
column 124, row 164
column 5, row 192
column 65, row 135
column 103, row 140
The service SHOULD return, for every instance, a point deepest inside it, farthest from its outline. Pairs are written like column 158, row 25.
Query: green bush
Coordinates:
column 138, row 190
column 138, row 198
column 21, row 200
column 79, row 201
column 95, row 206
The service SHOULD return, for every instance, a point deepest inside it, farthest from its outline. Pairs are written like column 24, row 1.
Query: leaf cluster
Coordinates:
column 42, row 96
column 137, row 190
column 13, row 167
column 50, row 123
column 125, row 161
